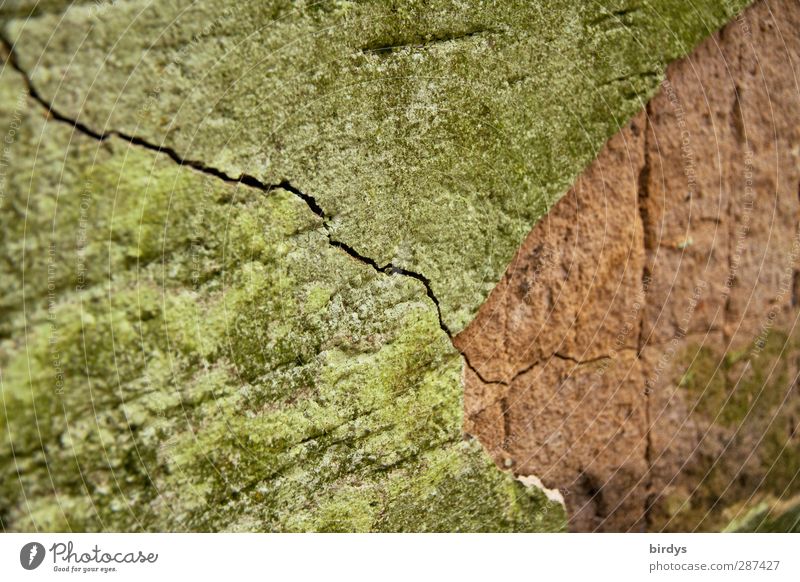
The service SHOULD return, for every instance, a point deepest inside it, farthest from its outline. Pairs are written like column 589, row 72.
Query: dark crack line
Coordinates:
column 480, row 376
column 53, row 113
column 573, row 359
column 796, row 273
column 616, row 18
column 387, row 269
column 531, row 366
column 629, row 78
column 589, row 360
column 643, row 195
column 505, row 409
column 386, row 48
column 554, row 355
column 244, row 179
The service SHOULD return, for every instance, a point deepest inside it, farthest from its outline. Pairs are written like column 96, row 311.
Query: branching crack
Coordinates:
column 630, row 78
column 533, row 365
column 244, row 179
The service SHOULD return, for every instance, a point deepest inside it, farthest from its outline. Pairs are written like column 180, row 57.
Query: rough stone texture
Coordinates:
column 558, row 338
column 180, row 353
column 640, row 353
column 236, row 247
column 432, row 134
column 32, row 8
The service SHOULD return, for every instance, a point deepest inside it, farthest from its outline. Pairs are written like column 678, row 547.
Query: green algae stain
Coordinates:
column 768, row 516
column 745, row 398
column 739, row 388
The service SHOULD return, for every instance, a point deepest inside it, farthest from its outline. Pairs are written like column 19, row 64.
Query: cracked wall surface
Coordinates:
column 237, row 242
column 640, row 353
column 432, row 134
column 189, row 354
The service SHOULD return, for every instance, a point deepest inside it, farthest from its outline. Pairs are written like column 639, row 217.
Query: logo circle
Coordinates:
column 31, row 555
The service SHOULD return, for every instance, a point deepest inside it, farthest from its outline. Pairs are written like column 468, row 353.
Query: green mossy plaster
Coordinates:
column 179, row 353
column 29, row 8
column 433, row 134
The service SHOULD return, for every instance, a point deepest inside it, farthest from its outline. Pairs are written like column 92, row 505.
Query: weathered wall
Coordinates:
column 432, row 134
column 641, row 351
column 184, row 354
column 237, row 239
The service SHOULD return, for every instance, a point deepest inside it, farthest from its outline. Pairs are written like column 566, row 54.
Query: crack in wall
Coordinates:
column 556, row 355
column 385, row 48
column 649, row 243
column 580, row 362
column 795, row 295
column 504, row 410
column 643, row 194
column 621, row 17
column 736, row 123
column 244, row 179
column 533, row 365
column 630, row 78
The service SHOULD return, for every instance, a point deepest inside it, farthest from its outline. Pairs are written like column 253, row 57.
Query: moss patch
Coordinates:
column 182, row 354
column 746, row 405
